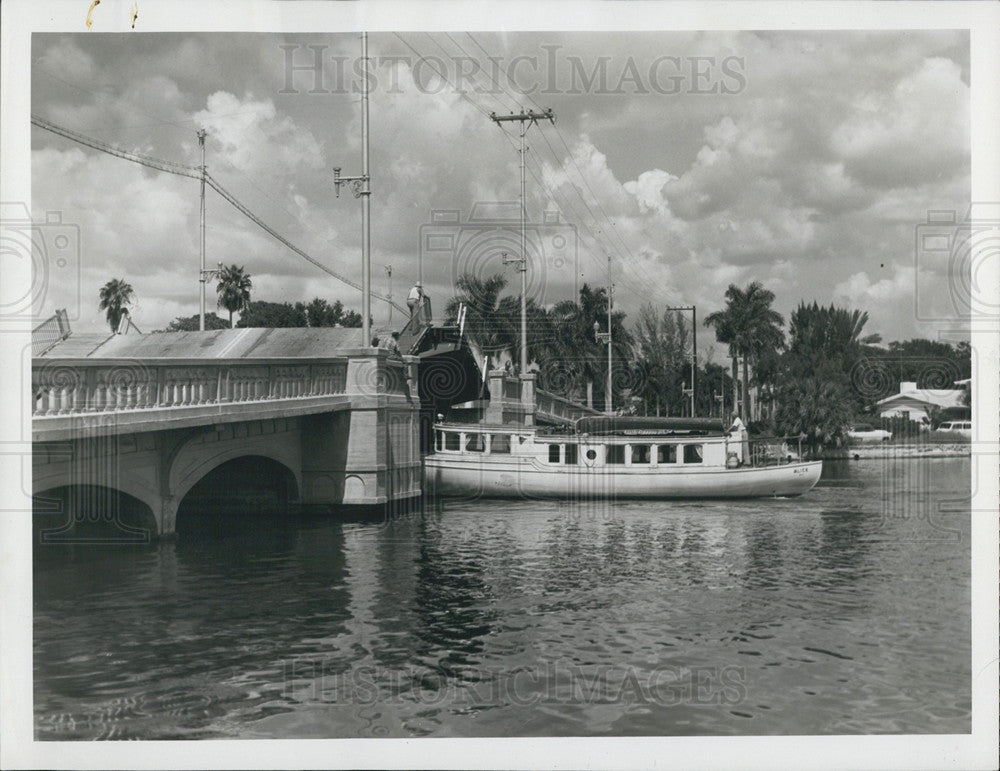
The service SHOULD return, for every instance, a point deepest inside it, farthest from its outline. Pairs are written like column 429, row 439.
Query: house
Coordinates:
column 918, row 403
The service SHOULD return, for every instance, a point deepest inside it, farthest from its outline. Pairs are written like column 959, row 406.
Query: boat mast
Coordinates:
column 527, row 119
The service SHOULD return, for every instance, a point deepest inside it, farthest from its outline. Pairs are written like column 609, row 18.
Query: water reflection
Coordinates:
column 452, row 600
column 765, row 566
column 830, row 616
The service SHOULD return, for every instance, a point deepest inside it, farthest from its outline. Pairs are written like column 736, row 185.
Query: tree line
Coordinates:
column 813, row 379
column 233, row 294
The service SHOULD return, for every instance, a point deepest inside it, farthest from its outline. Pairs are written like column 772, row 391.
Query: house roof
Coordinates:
column 934, row 397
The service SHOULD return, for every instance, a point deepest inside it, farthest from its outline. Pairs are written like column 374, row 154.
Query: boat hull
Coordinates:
column 526, row 478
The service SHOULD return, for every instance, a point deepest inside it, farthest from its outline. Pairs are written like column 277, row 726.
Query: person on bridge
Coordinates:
column 415, row 299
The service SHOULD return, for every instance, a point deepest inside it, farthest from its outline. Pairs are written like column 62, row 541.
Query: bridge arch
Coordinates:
column 195, row 459
column 242, row 490
column 83, row 512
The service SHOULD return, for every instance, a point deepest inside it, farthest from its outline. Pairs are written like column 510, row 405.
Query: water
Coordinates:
column 844, row 611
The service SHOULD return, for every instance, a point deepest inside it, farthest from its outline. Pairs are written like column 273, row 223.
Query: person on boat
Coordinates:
column 738, row 433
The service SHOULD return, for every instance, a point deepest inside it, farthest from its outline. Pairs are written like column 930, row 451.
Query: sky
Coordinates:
column 808, row 161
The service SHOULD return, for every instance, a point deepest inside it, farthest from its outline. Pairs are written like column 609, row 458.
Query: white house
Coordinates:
column 916, row 402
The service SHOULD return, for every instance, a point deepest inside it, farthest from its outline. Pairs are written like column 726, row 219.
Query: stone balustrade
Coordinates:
column 520, row 399
column 68, row 387
column 556, row 406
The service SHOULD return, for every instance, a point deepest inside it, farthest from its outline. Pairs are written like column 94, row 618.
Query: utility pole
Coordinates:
column 694, row 351
column 362, row 189
column 388, row 294
column 694, row 357
column 605, row 337
column 202, row 277
column 527, row 119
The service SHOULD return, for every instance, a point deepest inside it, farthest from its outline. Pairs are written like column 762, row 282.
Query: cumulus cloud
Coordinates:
column 815, row 174
column 917, row 131
column 247, row 134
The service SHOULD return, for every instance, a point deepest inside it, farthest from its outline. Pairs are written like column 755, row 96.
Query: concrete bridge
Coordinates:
column 152, row 415
column 327, row 420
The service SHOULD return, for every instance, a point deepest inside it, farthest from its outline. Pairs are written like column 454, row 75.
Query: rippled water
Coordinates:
column 844, row 611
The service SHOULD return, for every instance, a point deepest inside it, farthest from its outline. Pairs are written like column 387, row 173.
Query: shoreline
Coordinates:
column 890, row 451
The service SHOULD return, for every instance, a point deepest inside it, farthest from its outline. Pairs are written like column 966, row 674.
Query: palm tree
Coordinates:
column 116, row 295
column 660, row 348
column 575, row 348
column 816, row 408
column 234, row 289
column 750, row 327
column 488, row 318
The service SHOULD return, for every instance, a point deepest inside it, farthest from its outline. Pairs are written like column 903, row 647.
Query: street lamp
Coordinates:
column 605, row 337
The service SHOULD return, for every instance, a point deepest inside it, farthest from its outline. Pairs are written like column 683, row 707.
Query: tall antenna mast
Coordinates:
column 362, row 189
column 527, row 119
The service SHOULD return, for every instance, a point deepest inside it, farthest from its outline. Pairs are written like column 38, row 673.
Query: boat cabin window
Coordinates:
column 438, row 440
column 451, row 441
column 640, row 453
column 615, row 453
column 666, row 453
column 692, row 453
column 500, row 443
column 474, row 443
column 571, row 454
column 553, row 453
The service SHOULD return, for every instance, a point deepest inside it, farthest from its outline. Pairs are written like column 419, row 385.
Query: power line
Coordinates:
column 564, row 203
column 497, row 83
column 605, row 244
column 194, row 172
column 441, row 75
column 154, row 163
column 613, row 227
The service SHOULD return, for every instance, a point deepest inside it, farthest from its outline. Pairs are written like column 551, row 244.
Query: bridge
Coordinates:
column 152, row 415
column 307, row 416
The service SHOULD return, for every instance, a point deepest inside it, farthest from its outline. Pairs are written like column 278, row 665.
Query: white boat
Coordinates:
column 614, row 457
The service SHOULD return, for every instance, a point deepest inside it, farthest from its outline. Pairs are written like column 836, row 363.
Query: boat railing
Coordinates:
column 773, row 450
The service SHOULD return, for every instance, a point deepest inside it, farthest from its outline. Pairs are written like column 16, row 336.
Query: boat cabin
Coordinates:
column 565, row 449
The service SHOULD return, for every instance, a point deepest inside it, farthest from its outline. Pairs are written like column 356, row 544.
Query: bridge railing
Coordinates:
column 547, row 402
column 557, row 406
column 68, row 387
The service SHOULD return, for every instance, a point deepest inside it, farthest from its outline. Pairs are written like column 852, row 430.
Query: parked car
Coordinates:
column 961, row 427
column 862, row 433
